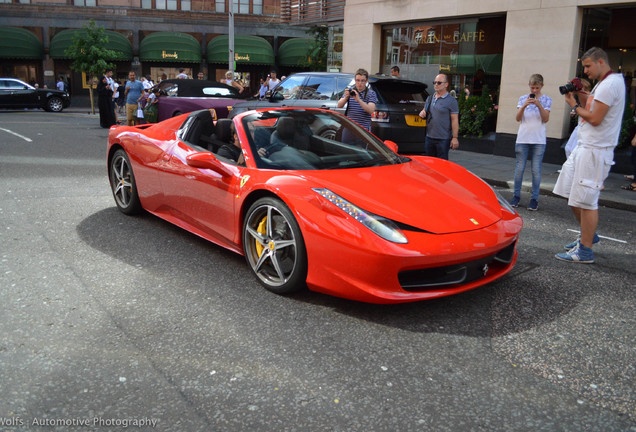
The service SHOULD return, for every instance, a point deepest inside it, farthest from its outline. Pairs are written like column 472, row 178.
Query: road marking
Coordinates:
column 50, row 161
column 27, row 139
column 603, row 237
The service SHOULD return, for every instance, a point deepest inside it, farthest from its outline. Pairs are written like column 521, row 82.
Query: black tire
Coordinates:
column 54, row 104
column 176, row 113
column 274, row 246
column 122, row 183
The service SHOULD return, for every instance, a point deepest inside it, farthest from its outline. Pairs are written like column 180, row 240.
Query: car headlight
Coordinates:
column 383, row 227
column 503, row 202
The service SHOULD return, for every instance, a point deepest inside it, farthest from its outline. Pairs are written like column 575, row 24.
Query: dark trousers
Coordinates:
column 437, row 147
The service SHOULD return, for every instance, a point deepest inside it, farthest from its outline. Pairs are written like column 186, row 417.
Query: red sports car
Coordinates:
column 313, row 200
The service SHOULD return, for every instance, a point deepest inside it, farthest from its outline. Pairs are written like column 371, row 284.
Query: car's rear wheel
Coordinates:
column 274, row 246
column 55, row 104
column 122, row 182
column 176, row 113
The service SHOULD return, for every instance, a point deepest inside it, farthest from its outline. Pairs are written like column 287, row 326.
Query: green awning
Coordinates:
column 247, row 50
column 116, row 42
column 293, row 51
column 18, row 43
column 170, row 47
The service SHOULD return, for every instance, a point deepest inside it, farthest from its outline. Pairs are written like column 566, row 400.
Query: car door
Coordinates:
column 201, row 198
column 22, row 95
column 13, row 94
column 5, row 93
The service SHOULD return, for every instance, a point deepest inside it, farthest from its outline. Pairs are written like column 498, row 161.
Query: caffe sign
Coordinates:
column 456, row 37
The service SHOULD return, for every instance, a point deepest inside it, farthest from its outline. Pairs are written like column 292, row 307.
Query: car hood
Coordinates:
column 426, row 193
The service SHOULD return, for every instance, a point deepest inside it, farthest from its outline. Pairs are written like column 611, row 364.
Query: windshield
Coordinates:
column 296, row 139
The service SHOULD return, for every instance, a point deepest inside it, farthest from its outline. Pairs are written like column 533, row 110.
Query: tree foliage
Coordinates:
column 89, row 52
column 316, row 57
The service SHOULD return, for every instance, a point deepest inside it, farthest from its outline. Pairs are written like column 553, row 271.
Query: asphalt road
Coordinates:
column 109, row 322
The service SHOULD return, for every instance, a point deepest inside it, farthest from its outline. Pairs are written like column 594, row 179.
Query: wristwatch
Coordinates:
column 575, row 107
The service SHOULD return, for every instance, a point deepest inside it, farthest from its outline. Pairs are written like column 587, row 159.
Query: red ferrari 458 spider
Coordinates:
column 313, row 200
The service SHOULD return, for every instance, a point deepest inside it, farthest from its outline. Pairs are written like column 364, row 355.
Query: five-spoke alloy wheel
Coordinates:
column 274, row 246
column 122, row 182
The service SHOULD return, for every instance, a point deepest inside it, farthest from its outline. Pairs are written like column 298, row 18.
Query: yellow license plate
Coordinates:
column 414, row 120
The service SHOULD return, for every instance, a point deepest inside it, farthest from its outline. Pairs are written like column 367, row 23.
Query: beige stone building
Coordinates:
column 508, row 40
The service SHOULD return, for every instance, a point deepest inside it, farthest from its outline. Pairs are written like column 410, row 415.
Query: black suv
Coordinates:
column 397, row 112
column 18, row 94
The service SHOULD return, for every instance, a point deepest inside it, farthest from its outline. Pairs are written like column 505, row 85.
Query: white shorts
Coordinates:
column 582, row 176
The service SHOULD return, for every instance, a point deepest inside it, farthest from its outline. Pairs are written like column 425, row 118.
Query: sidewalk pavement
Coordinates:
column 499, row 171
column 496, row 170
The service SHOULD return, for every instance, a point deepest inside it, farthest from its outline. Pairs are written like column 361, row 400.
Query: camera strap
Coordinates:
column 606, row 75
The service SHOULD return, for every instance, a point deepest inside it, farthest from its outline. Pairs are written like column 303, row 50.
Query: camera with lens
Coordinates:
column 573, row 86
column 352, row 91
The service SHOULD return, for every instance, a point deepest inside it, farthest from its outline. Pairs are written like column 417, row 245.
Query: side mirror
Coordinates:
column 390, row 144
column 206, row 160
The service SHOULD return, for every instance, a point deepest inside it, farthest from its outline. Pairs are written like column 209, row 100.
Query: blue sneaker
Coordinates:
column 579, row 254
column 575, row 243
column 515, row 201
column 534, row 205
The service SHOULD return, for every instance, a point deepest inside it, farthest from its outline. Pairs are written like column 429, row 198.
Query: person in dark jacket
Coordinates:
column 105, row 100
column 233, row 150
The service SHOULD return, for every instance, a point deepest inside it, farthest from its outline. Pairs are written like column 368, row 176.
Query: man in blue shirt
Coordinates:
column 361, row 100
column 134, row 89
column 442, row 120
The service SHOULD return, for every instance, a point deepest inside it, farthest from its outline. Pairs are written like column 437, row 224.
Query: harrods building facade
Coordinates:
column 162, row 36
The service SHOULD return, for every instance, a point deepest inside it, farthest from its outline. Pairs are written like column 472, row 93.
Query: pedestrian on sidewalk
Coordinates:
column 582, row 175
column 441, row 112
column 105, row 100
column 134, row 89
column 581, row 97
column 533, row 111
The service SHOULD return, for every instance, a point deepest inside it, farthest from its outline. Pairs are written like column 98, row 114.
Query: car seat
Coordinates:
column 222, row 135
column 287, row 133
column 202, row 129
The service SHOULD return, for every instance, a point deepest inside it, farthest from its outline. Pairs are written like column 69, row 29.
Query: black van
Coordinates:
column 397, row 112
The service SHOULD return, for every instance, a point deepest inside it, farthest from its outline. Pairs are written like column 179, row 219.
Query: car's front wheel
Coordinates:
column 122, row 182
column 274, row 246
column 55, row 104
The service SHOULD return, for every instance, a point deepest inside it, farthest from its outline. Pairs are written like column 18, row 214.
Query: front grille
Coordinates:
column 445, row 277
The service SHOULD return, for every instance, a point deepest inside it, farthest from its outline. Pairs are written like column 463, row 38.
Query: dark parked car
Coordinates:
column 397, row 112
column 18, row 94
column 180, row 96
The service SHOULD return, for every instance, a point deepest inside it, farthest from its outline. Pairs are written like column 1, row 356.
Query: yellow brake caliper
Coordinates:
column 262, row 229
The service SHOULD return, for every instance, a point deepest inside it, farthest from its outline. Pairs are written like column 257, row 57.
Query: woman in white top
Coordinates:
column 229, row 80
column 533, row 111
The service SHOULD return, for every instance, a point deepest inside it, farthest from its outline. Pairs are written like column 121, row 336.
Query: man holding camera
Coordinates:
column 582, row 175
column 361, row 100
column 442, row 120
